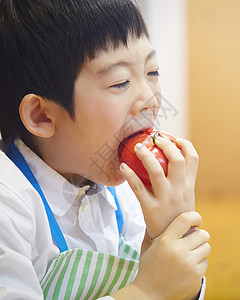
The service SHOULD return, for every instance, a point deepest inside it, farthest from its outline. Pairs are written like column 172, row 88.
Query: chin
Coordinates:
column 111, row 179
column 116, row 181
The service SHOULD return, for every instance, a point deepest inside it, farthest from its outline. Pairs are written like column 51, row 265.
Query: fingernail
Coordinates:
column 139, row 146
column 123, row 166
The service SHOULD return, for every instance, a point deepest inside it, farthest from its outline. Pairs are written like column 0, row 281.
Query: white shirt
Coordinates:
column 87, row 222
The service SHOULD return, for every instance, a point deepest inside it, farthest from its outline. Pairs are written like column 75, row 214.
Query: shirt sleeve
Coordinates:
column 18, row 279
column 203, row 289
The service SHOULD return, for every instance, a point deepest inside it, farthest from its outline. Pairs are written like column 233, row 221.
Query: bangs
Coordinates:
column 110, row 22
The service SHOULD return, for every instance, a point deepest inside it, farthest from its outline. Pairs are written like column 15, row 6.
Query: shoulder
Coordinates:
column 19, row 202
column 12, row 180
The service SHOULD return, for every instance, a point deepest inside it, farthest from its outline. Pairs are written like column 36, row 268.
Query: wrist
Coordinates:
column 194, row 295
column 132, row 292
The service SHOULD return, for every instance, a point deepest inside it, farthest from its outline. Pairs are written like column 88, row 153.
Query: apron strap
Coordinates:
column 15, row 155
column 118, row 212
column 17, row 158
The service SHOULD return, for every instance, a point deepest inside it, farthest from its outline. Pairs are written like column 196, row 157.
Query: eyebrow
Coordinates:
column 108, row 69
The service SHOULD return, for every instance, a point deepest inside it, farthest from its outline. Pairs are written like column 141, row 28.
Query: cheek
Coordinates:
column 108, row 117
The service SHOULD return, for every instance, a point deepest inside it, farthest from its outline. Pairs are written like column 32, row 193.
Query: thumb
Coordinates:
column 182, row 223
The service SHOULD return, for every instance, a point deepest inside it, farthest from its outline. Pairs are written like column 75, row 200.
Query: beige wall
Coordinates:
column 214, row 51
column 167, row 24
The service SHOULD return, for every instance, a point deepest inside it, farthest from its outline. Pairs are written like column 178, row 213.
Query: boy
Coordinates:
column 73, row 75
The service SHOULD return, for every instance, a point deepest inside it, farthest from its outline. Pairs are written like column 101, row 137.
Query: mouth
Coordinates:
column 124, row 141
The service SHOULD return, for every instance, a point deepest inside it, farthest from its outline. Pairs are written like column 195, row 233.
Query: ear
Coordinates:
column 37, row 115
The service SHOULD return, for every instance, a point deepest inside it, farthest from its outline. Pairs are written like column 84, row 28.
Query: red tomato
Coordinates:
column 147, row 137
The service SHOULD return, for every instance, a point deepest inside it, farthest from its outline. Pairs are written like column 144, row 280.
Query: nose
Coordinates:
column 146, row 98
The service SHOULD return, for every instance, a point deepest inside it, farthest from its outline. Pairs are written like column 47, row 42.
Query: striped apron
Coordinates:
column 78, row 273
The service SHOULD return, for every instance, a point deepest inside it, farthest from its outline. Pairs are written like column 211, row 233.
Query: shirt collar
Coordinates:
column 59, row 192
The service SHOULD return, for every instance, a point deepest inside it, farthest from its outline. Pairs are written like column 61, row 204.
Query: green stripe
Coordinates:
column 135, row 254
column 45, row 278
column 127, row 275
column 127, row 249
column 73, row 275
column 95, row 276
column 61, row 277
column 116, row 277
column 86, row 268
column 46, row 289
column 106, row 276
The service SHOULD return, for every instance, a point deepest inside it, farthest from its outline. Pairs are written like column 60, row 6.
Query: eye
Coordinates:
column 121, row 85
column 155, row 73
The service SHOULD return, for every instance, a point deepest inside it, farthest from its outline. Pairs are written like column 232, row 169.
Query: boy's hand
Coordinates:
column 171, row 195
column 173, row 266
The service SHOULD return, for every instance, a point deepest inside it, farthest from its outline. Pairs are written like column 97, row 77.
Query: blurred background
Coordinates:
column 198, row 45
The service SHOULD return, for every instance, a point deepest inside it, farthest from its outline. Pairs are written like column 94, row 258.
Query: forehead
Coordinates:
column 134, row 52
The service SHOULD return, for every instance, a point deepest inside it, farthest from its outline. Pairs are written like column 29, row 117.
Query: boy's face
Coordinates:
column 116, row 94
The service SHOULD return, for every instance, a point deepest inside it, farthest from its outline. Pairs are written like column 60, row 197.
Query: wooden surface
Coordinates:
column 214, row 80
column 221, row 218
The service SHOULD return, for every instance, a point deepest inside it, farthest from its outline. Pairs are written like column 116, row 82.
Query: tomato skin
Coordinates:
column 127, row 154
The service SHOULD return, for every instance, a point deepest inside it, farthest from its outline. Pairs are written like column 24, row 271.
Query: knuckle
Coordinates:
column 157, row 171
column 163, row 241
column 187, row 217
column 205, row 236
column 205, row 261
column 203, row 269
column 165, row 143
column 184, row 218
column 185, row 142
column 209, row 249
column 137, row 186
column 179, row 161
column 194, row 158
column 188, row 143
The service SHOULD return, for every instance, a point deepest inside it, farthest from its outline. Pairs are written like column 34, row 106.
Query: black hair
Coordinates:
column 44, row 43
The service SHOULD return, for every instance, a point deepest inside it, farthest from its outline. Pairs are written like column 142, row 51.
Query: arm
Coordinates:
column 169, row 198
column 18, row 278
column 173, row 265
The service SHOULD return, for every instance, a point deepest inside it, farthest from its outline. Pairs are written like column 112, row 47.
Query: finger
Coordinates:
column 202, row 267
column 176, row 161
column 202, row 252
column 191, row 157
column 182, row 223
column 135, row 183
column 151, row 164
column 197, row 238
